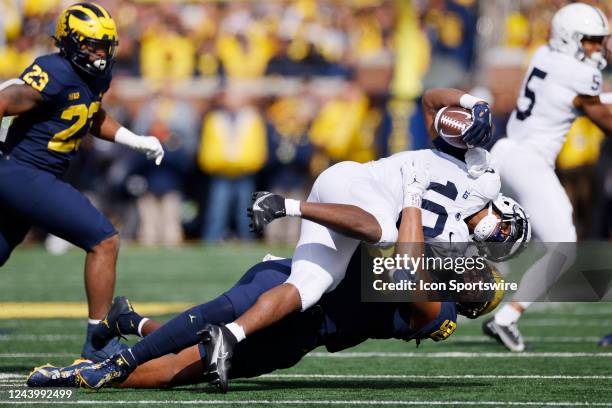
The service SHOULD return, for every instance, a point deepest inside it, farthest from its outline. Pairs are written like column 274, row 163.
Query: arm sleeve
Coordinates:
column 43, row 75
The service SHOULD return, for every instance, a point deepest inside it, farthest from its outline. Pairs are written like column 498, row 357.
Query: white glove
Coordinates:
column 415, row 179
column 148, row 145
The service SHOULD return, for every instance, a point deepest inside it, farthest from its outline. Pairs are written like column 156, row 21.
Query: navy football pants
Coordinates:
column 29, row 196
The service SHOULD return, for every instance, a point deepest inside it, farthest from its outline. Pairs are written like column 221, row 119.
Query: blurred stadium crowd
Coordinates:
column 250, row 95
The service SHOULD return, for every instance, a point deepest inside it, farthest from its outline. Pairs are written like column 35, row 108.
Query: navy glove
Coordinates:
column 481, row 131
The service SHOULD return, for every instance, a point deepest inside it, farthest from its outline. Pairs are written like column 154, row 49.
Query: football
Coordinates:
column 450, row 124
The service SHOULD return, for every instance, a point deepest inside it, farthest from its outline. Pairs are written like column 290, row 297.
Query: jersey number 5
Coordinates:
column 448, row 190
column 529, row 94
column 60, row 142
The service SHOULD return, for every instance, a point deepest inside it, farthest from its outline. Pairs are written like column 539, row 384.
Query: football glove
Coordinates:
column 481, row 131
column 152, row 148
column 266, row 207
column 415, row 179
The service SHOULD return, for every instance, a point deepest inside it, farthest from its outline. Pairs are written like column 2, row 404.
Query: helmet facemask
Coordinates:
column 504, row 236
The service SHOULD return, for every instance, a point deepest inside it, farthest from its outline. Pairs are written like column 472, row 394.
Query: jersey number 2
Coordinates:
column 529, row 94
column 60, row 142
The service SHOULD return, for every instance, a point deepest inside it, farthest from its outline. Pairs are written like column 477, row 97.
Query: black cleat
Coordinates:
column 108, row 328
column 509, row 336
column 219, row 344
column 266, row 208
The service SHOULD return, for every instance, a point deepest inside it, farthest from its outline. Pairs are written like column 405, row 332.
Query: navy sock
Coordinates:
column 181, row 331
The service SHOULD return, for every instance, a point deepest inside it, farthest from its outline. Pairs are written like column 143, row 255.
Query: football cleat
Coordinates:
column 108, row 328
column 606, row 341
column 110, row 371
column 219, row 344
column 113, row 347
column 509, row 335
column 266, row 208
column 51, row 376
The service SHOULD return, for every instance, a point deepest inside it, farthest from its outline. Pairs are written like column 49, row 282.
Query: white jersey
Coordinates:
column 452, row 195
column 545, row 111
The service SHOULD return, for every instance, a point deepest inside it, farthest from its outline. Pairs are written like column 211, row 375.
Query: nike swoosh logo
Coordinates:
column 215, row 354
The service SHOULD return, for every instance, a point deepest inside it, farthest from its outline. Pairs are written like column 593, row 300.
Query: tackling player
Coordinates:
column 338, row 320
column 563, row 81
column 57, row 101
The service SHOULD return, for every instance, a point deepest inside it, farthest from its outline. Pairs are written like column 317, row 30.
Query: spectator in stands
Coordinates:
column 288, row 166
column 233, row 149
column 174, row 123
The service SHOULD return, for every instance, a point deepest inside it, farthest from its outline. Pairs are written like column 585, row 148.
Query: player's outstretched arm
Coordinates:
column 17, row 99
column 411, row 238
column 348, row 220
column 106, row 127
column 596, row 111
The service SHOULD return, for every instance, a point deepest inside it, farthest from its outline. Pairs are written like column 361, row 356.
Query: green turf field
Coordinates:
column 563, row 367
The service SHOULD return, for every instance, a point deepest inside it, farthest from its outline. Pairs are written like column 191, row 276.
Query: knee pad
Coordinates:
column 311, row 281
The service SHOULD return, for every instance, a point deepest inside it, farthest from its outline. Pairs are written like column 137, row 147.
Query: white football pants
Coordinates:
column 322, row 255
column 528, row 179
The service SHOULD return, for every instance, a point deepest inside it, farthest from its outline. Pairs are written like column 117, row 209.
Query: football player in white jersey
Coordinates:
column 563, row 81
column 352, row 202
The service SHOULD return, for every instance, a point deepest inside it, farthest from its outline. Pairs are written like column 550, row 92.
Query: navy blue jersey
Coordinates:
column 48, row 136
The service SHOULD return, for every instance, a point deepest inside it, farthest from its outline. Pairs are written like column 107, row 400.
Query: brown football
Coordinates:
column 450, row 124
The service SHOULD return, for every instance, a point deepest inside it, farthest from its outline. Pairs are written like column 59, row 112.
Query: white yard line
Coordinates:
column 399, row 354
column 437, row 377
column 320, row 402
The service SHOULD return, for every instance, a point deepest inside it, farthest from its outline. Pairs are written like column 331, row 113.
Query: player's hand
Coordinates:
column 266, row 208
column 152, row 148
column 415, row 179
column 481, row 131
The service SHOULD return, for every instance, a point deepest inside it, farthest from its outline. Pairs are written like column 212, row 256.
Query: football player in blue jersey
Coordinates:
column 171, row 355
column 55, row 102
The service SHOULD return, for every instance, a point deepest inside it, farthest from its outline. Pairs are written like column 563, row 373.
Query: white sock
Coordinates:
column 93, row 321
column 507, row 315
column 237, row 331
column 525, row 305
column 142, row 322
column 292, row 208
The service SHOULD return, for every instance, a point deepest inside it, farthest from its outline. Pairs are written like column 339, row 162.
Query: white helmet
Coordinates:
column 497, row 245
column 575, row 22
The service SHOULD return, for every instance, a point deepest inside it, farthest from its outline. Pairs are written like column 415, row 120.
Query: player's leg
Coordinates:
column 319, row 262
column 63, row 211
column 535, row 185
column 13, row 229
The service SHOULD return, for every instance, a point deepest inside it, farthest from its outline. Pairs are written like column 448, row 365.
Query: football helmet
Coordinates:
column 82, row 29
column 474, row 304
column 574, row 23
column 503, row 238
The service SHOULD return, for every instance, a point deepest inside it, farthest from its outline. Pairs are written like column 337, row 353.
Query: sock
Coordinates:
column 181, row 331
column 141, row 324
column 237, row 331
column 507, row 315
column 130, row 323
column 93, row 321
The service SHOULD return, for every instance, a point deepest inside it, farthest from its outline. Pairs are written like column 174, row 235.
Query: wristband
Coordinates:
column 127, row 138
column 412, row 200
column 292, row 208
column 468, row 101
